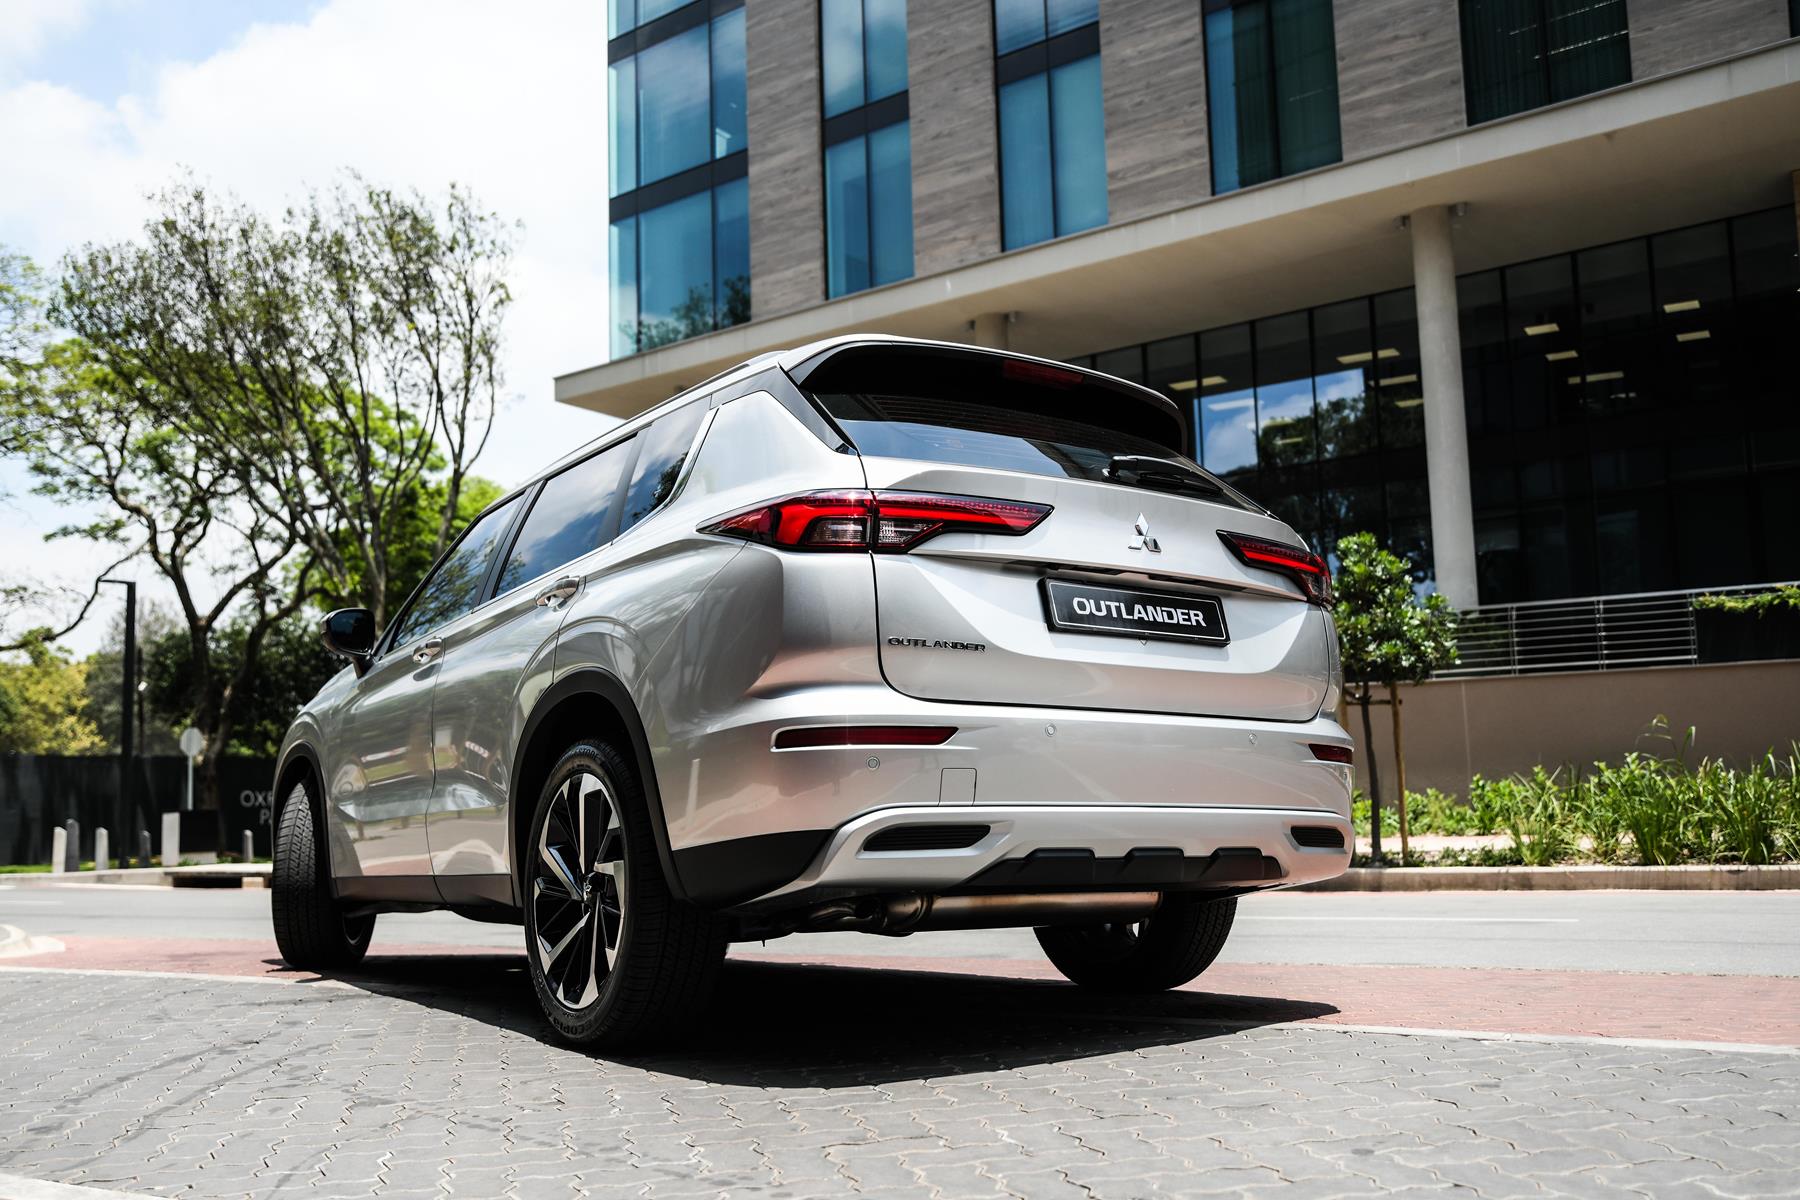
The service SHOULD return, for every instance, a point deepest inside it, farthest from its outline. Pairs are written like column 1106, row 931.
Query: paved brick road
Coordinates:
column 430, row 1077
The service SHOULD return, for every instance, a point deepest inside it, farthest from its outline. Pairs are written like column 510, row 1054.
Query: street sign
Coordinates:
column 192, row 743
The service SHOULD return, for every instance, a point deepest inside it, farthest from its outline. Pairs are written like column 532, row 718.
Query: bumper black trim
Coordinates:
column 1166, row 869
column 734, row 870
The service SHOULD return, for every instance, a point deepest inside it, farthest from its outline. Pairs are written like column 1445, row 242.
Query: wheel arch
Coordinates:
column 585, row 703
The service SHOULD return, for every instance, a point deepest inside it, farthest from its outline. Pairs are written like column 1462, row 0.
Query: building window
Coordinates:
column 680, row 262
column 1523, row 54
column 1052, row 130
column 1271, row 85
column 1632, row 413
column 868, row 144
column 1316, row 414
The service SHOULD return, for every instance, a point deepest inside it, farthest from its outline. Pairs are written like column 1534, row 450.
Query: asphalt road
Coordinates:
column 1696, row 933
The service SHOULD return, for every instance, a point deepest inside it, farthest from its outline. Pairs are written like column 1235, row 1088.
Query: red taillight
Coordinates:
column 893, row 522
column 864, row 735
column 1335, row 754
column 1296, row 562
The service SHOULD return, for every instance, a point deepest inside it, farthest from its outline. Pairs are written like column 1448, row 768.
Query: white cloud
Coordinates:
column 508, row 100
column 32, row 24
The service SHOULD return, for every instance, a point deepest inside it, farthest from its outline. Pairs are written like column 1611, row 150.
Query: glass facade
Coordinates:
column 1052, row 127
column 679, row 238
column 1523, row 54
column 1314, row 414
column 868, row 144
column 1633, row 414
column 1271, row 89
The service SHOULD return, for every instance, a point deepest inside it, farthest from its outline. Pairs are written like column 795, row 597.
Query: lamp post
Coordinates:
column 127, row 698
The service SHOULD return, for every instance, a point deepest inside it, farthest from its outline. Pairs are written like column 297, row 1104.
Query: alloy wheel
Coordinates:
column 578, row 890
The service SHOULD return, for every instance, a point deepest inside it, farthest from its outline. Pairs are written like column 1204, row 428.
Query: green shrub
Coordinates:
column 1651, row 807
column 1537, row 819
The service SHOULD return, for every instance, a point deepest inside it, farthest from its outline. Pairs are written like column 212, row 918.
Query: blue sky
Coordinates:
column 103, row 101
column 121, row 45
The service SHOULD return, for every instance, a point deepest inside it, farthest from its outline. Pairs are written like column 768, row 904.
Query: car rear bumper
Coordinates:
column 1034, row 848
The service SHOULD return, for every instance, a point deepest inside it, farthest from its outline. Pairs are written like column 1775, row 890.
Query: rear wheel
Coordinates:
column 311, row 930
column 616, row 959
column 1164, row 950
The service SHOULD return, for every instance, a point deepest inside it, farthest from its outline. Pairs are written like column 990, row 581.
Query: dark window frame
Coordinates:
column 871, row 116
column 1542, row 58
column 1208, row 7
column 1039, row 58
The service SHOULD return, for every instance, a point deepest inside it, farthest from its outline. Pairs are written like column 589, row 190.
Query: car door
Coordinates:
column 497, row 660
column 379, row 754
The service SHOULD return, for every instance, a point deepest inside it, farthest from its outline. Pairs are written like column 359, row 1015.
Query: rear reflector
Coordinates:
column 1336, row 754
column 890, row 522
column 1296, row 562
column 864, row 735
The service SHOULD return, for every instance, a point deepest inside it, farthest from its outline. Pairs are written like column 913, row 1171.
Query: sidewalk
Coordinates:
column 226, row 875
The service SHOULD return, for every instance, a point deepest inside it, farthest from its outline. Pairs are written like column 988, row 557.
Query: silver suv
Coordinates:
column 873, row 634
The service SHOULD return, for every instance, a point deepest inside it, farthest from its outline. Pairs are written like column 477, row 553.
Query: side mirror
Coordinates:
column 350, row 633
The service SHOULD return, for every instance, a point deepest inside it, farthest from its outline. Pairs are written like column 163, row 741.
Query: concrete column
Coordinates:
column 992, row 330
column 1446, row 428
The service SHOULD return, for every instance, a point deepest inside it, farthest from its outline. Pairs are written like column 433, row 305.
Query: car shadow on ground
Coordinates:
column 774, row 1024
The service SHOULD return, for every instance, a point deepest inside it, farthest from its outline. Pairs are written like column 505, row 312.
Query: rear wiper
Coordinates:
column 1163, row 474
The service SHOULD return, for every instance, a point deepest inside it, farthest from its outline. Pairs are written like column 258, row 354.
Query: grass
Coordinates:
column 1650, row 809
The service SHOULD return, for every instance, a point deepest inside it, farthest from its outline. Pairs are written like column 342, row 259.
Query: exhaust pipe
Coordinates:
column 911, row 912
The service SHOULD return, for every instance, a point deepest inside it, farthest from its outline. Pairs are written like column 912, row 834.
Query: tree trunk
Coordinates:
column 1374, row 781
column 1399, row 772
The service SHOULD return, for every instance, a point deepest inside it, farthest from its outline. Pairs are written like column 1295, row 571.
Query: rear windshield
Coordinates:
column 971, row 411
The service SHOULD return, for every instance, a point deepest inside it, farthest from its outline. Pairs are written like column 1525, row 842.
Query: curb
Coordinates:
column 224, row 875
column 1703, row 877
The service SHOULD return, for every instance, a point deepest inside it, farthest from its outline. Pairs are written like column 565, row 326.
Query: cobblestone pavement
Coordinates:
column 433, row 1077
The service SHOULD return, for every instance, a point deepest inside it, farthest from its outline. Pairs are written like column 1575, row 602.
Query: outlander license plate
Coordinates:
column 1134, row 612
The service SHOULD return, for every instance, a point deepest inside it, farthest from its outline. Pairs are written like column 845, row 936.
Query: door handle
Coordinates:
column 559, row 593
column 428, row 650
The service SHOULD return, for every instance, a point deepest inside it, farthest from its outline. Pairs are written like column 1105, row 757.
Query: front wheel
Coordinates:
column 616, row 959
column 1164, row 950
column 311, row 930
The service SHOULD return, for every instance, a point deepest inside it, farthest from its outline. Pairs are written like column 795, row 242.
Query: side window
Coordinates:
column 570, row 516
column 666, row 446
column 455, row 587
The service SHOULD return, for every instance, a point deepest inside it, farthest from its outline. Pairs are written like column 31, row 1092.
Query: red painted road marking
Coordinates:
column 1707, row 1008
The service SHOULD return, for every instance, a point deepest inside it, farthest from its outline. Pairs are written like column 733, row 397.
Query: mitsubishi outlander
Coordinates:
column 873, row 634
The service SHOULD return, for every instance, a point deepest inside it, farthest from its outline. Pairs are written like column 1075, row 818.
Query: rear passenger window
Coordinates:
column 569, row 518
column 666, row 446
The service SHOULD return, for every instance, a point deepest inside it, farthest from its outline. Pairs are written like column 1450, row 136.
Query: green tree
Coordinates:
column 43, row 705
column 293, row 665
column 1387, row 636
column 342, row 356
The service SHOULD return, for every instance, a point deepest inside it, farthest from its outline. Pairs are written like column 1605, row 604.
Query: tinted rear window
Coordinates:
column 970, row 410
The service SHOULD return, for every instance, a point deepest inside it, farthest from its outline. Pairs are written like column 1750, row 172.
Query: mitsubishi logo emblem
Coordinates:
column 1143, row 540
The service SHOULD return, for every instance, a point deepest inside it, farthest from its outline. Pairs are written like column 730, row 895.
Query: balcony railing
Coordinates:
column 1594, row 633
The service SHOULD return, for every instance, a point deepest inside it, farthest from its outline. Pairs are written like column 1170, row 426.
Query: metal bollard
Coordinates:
column 143, row 858
column 102, row 850
column 59, row 850
column 72, row 849
column 249, row 846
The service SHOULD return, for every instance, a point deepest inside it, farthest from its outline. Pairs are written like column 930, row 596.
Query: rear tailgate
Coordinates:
column 986, row 590
column 1123, row 597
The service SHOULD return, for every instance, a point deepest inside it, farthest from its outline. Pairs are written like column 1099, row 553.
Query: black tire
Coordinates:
column 311, row 930
column 656, row 959
column 1165, row 950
